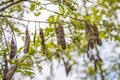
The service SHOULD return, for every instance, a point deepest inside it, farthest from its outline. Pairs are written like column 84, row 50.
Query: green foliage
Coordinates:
column 72, row 14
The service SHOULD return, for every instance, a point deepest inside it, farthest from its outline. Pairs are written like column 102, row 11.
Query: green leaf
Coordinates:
column 32, row 7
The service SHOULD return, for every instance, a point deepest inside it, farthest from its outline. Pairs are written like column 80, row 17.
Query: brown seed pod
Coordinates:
column 11, row 72
column 91, row 44
column 68, row 67
column 13, row 48
column 42, row 40
column 60, row 36
column 34, row 39
column 27, row 41
column 95, row 65
column 5, row 71
column 57, row 35
column 99, row 58
column 99, row 42
column 96, row 33
column 88, row 30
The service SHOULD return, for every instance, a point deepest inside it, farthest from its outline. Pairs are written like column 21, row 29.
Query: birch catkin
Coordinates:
column 60, row 36
column 27, row 41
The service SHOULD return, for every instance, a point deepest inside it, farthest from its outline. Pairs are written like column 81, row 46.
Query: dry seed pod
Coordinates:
column 13, row 49
column 68, row 67
column 95, row 64
column 91, row 45
column 99, row 58
column 92, row 57
column 34, row 39
column 5, row 71
column 27, row 41
column 60, row 36
column 96, row 33
column 89, row 30
column 99, row 42
column 11, row 72
column 57, row 35
column 42, row 40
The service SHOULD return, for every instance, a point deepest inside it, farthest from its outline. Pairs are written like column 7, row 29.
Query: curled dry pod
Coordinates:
column 11, row 72
column 13, row 48
column 60, row 36
column 27, row 41
column 42, row 40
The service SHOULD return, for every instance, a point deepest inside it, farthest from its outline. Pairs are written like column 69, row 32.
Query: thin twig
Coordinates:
column 62, row 14
column 30, row 20
column 4, row 36
column 4, row 3
column 2, row 9
column 11, row 29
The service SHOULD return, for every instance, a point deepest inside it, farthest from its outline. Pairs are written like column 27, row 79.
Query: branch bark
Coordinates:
column 2, row 9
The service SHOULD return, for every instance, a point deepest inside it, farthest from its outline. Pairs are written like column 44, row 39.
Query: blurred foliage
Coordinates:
column 72, row 14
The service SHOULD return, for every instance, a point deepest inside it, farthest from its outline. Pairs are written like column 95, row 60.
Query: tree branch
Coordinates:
column 2, row 9
column 4, row 3
column 62, row 14
column 30, row 20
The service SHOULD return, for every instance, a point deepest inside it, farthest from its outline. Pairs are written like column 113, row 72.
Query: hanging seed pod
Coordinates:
column 96, row 33
column 87, row 50
column 60, row 36
column 99, row 42
column 13, row 49
column 91, row 45
column 27, row 41
column 68, row 66
column 5, row 71
column 42, row 40
column 34, row 39
column 11, row 72
column 92, row 57
column 88, row 30
column 57, row 35
column 95, row 65
column 99, row 58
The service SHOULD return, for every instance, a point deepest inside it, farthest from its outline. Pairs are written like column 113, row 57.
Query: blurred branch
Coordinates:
column 62, row 14
column 11, row 29
column 4, row 3
column 4, row 35
column 13, row 3
column 30, row 20
column 84, row 4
